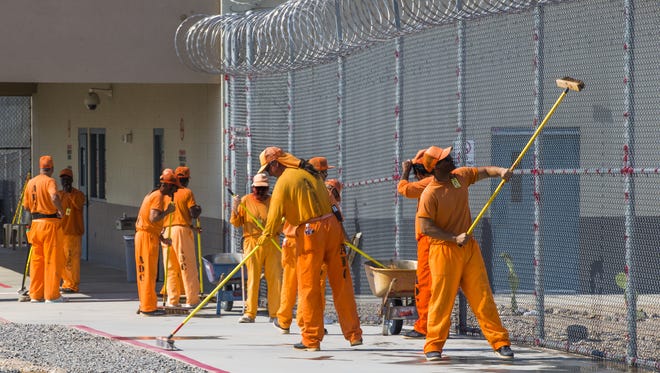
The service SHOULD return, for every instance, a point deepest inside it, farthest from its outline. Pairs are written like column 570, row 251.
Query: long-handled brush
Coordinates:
column 23, row 293
column 567, row 83
column 167, row 342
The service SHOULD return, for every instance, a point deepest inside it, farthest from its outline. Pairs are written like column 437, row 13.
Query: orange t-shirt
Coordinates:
column 153, row 201
column 257, row 208
column 38, row 192
column 447, row 202
column 184, row 199
column 414, row 189
column 72, row 204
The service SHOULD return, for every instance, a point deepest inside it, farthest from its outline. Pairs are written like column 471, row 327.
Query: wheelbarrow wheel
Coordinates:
column 227, row 305
column 392, row 327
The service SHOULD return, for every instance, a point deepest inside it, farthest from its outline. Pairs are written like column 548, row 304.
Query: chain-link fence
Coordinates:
column 571, row 243
column 15, row 122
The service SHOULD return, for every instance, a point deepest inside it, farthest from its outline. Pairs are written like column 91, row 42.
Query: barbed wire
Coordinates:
column 302, row 33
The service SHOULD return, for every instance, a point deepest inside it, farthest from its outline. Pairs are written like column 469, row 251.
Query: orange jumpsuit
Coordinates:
column 182, row 266
column 302, row 200
column 289, row 279
column 146, row 249
column 267, row 257
column 446, row 203
column 45, row 235
column 73, row 229
column 423, row 286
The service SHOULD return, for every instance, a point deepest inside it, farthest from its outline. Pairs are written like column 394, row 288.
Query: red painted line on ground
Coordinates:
column 171, row 354
column 4, row 285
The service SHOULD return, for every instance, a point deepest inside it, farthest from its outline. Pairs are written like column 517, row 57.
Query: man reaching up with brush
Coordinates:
column 454, row 256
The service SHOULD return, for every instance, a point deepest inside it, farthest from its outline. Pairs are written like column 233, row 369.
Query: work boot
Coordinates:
column 300, row 346
column 504, row 352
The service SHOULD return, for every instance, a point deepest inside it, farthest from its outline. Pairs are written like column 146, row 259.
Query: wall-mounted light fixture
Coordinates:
column 92, row 100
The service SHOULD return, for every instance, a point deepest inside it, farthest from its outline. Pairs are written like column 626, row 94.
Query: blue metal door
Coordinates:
column 513, row 211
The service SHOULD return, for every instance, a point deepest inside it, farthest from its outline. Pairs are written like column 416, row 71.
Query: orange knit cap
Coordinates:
column 46, row 161
column 433, row 155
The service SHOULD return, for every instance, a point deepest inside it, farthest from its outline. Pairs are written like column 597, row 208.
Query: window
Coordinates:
column 97, row 163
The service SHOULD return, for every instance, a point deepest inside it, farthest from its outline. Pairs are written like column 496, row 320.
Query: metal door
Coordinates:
column 513, row 213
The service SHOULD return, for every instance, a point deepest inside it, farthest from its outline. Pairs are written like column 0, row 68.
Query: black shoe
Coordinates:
column 504, row 352
column 276, row 324
column 67, row 291
column 433, row 356
column 413, row 334
column 325, row 331
column 300, row 346
column 153, row 313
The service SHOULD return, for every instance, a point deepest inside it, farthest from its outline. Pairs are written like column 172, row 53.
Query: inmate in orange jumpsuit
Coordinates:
column 45, row 234
column 446, row 203
column 302, row 199
column 73, row 229
column 146, row 249
column 266, row 258
column 423, row 285
column 182, row 266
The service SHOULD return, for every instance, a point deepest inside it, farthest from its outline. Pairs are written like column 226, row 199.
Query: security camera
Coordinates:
column 92, row 100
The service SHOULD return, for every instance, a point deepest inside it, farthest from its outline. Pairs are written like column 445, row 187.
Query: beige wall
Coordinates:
column 58, row 113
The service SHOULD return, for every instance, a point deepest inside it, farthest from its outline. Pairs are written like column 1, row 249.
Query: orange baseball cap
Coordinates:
column 418, row 157
column 168, row 177
column 433, row 155
column 260, row 180
column 320, row 163
column 46, row 161
column 333, row 183
column 66, row 172
column 182, row 172
column 273, row 153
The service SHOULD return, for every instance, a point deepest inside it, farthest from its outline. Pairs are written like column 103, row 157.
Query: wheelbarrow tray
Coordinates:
column 403, row 272
column 217, row 266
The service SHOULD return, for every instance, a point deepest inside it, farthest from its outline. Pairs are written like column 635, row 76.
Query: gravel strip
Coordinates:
column 59, row 349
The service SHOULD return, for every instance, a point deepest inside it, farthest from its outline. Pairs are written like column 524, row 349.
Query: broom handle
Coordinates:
column 199, row 256
column 256, row 221
column 217, row 288
column 515, row 164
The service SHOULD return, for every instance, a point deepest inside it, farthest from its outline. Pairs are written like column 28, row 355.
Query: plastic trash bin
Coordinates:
column 129, row 242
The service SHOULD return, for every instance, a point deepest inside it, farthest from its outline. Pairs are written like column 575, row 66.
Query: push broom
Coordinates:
column 569, row 84
column 168, row 342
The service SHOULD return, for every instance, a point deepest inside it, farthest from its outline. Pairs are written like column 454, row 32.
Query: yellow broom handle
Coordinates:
column 515, row 164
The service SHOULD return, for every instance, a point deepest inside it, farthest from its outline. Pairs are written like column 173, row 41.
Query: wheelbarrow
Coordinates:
column 396, row 286
column 216, row 266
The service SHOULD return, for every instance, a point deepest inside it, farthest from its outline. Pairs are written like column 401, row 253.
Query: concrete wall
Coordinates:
column 58, row 114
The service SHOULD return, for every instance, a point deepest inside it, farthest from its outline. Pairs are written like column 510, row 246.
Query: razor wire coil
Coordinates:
column 303, row 33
